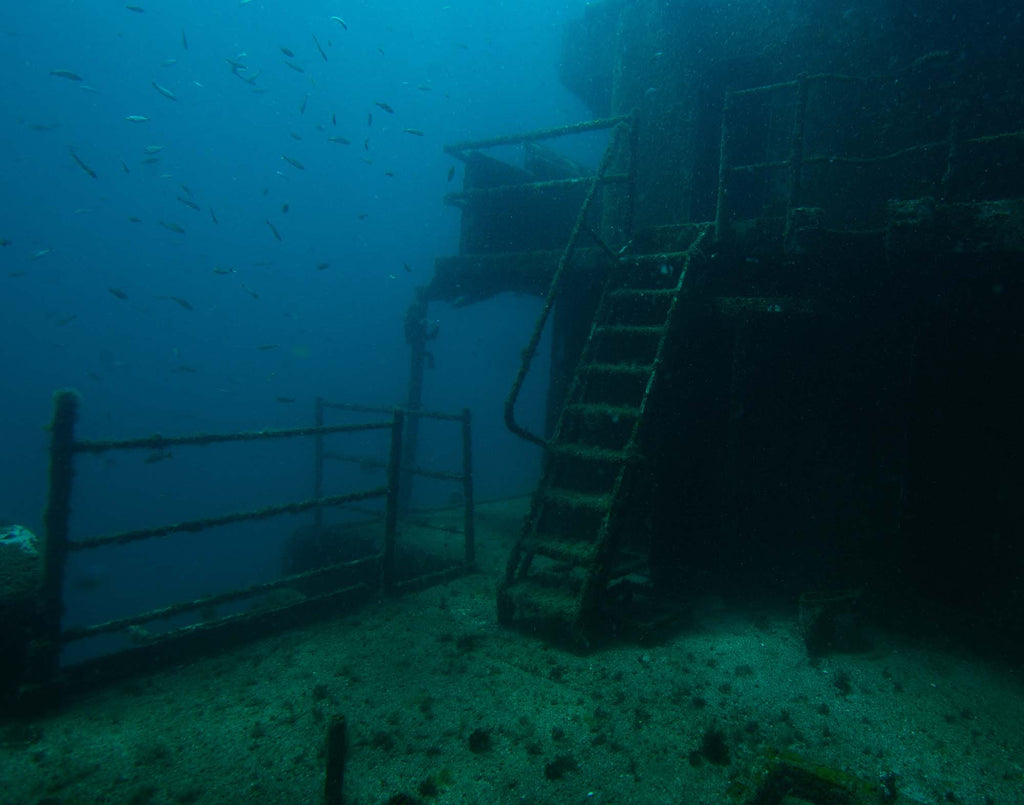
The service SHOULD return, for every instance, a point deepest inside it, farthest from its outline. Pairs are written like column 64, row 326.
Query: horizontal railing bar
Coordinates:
column 193, row 526
column 843, row 159
column 737, row 93
column 455, row 199
column 381, row 409
column 158, row 442
column 456, row 149
column 162, row 613
column 877, row 78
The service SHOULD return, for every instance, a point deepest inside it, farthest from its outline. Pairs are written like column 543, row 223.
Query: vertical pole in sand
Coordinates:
column 337, row 749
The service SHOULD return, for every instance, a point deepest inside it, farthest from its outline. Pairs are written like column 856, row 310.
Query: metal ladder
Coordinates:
column 571, row 547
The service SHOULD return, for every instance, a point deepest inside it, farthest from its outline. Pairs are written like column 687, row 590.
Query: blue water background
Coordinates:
column 456, row 70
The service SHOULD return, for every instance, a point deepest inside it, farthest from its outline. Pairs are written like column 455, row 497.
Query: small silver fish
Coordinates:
column 164, row 91
column 317, row 43
column 81, row 164
column 177, row 299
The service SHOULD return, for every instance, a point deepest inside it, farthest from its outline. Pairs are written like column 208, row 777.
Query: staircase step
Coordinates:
column 604, row 410
column 654, row 257
column 542, row 597
column 577, row 500
column 632, row 369
column 586, row 452
column 627, row 329
column 579, row 553
column 634, row 293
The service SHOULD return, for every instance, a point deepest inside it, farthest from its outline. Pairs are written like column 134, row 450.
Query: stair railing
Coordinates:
column 622, row 130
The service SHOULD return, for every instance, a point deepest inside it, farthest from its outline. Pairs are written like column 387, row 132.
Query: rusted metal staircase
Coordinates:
column 572, row 548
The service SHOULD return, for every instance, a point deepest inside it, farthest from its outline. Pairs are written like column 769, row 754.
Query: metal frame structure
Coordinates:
column 945, row 151
column 464, row 478
column 45, row 670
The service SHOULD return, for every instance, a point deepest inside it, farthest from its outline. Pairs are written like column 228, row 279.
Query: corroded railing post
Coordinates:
column 46, row 653
column 391, row 510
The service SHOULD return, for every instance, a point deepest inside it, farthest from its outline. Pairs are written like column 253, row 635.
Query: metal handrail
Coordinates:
column 50, row 636
column 458, row 150
column 464, row 478
column 622, row 129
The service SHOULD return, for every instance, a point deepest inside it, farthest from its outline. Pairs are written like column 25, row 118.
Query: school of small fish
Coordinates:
column 147, row 114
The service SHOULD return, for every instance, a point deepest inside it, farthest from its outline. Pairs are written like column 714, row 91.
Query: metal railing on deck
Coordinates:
column 622, row 145
column 464, row 478
column 461, row 150
column 783, row 169
column 50, row 637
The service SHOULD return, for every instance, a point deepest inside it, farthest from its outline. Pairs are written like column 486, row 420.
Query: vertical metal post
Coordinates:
column 617, row 200
column 318, row 463
column 391, row 510
column 46, row 656
column 467, row 485
column 418, row 331
column 632, row 156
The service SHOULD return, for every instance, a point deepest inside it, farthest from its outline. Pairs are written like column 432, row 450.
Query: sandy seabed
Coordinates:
column 444, row 706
